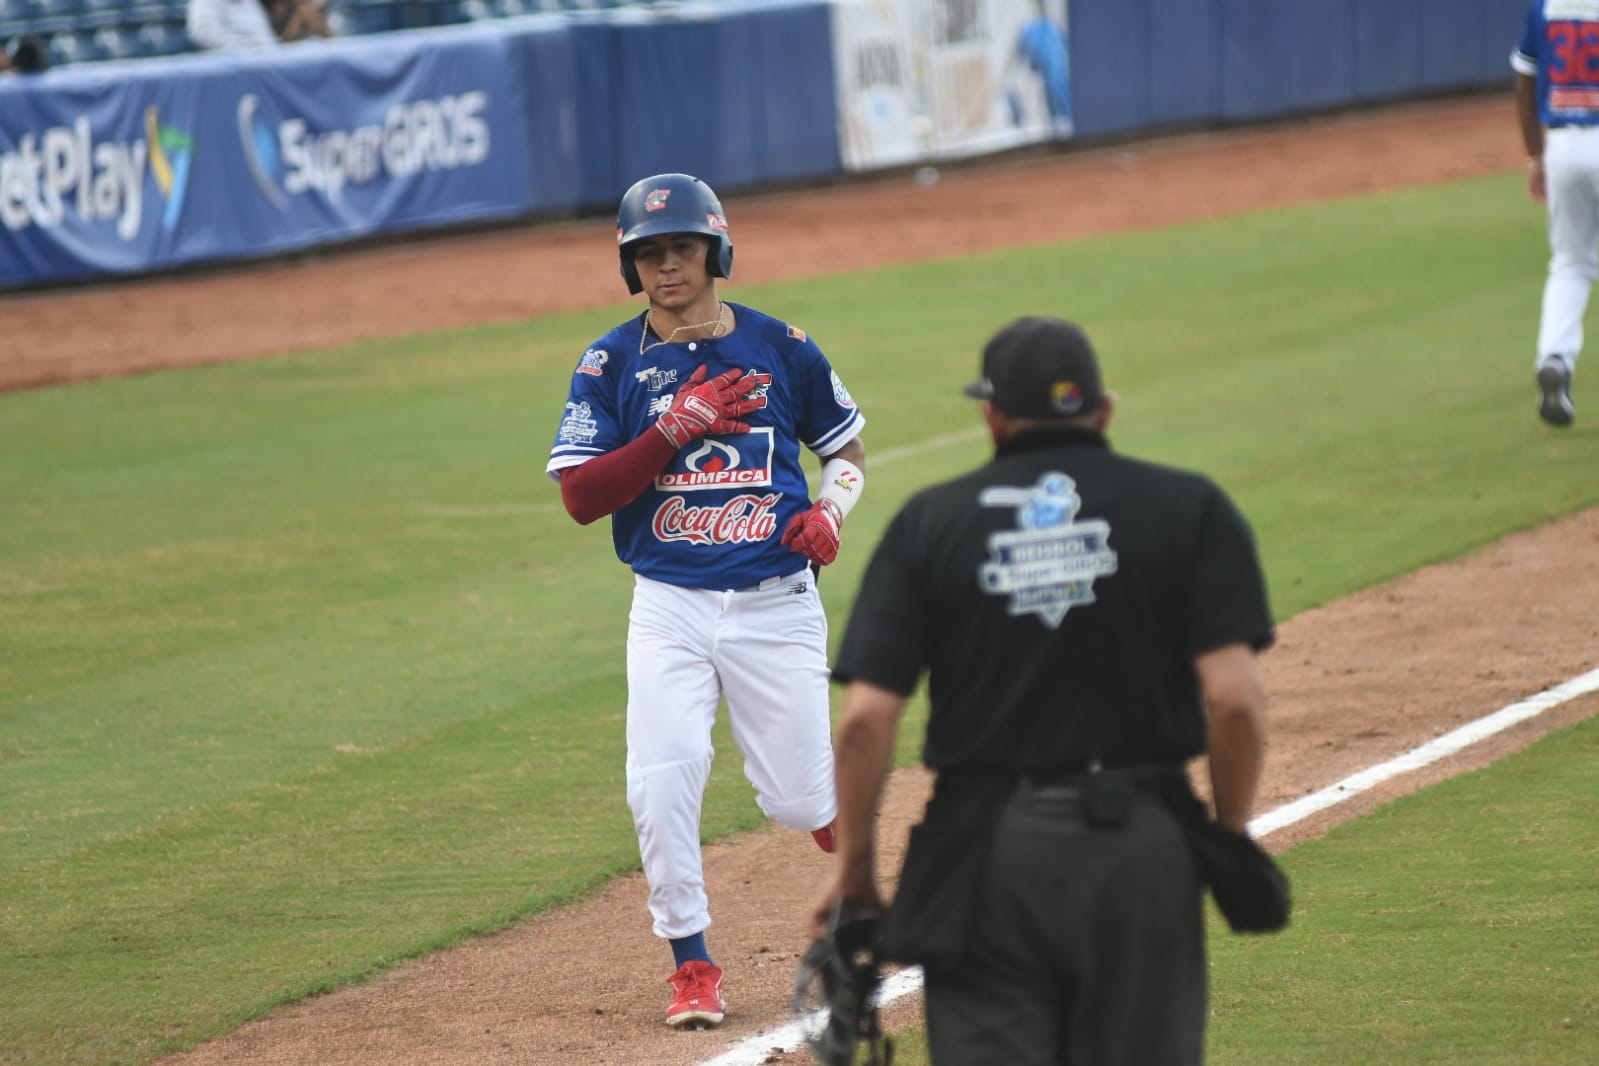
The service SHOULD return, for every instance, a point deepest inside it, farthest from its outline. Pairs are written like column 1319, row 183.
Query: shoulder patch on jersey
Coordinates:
column 593, row 362
column 840, row 393
column 796, row 333
column 579, row 426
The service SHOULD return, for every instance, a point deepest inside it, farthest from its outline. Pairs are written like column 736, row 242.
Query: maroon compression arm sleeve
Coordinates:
column 609, row 482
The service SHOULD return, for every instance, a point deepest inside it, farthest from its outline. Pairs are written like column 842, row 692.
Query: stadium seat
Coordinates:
column 56, row 16
column 69, row 46
column 446, row 13
column 98, row 13
column 113, row 42
column 15, row 16
column 140, row 13
column 161, row 39
column 349, row 19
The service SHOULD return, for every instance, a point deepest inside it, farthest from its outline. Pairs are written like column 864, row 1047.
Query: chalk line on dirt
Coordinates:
column 755, row 1050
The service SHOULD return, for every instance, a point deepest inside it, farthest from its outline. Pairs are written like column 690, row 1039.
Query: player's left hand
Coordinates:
column 814, row 532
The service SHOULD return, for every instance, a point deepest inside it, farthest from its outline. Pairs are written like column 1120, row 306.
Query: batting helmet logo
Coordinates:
column 656, row 199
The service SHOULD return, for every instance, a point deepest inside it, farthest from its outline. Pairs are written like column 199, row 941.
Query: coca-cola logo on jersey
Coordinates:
column 744, row 519
column 745, row 461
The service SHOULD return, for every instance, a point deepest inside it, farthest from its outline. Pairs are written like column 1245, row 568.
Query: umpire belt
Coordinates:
column 1058, row 785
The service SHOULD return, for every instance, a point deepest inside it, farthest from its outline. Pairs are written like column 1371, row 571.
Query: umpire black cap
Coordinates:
column 1040, row 367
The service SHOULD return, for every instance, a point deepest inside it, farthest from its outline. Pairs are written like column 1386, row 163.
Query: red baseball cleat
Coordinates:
column 824, row 838
column 697, row 1000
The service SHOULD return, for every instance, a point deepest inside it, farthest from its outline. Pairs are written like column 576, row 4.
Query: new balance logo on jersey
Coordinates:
column 744, row 519
column 718, row 463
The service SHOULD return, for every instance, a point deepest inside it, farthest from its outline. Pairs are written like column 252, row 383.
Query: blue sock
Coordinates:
column 688, row 948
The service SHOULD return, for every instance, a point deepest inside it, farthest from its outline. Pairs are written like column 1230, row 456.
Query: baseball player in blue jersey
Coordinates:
column 685, row 425
column 1557, row 103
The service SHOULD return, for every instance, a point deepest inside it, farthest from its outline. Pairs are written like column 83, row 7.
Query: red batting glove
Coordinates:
column 814, row 532
column 702, row 407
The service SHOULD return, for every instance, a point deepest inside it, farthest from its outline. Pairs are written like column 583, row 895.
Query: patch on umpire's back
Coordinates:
column 796, row 333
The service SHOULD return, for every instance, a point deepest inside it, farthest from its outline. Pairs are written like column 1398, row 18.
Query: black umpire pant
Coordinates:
column 1088, row 949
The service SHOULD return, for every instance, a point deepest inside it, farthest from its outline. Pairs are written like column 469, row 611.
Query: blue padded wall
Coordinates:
column 1184, row 50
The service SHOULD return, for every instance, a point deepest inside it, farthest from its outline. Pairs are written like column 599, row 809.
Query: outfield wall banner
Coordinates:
column 92, row 178
column 923, row 80
column 129, row 167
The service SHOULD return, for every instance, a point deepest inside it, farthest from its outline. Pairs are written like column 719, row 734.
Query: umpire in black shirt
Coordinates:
column 1089, row 623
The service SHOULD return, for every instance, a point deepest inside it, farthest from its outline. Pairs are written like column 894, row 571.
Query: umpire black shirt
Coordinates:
column 1058, row 597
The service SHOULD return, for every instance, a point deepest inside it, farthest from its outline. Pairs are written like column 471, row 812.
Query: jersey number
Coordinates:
column 1575, row 48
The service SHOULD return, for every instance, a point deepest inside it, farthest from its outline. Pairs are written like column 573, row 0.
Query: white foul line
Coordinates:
column 1431, row 752
column 755, row 1050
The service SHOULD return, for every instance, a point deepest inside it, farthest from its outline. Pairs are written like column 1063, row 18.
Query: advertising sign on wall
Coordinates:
column 922, row 80
column 212, row 159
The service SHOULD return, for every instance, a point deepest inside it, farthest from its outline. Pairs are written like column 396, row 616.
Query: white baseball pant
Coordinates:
column 1571, row 176
column 766, row 650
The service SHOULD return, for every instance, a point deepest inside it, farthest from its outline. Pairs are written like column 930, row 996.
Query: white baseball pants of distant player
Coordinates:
column 765, row 648
column 1571, row 175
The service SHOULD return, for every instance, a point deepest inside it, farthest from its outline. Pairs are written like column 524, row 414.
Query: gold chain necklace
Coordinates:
column 716, row 326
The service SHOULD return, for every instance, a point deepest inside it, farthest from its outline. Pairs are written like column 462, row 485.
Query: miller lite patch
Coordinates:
column 656, row 199
column 655, row 379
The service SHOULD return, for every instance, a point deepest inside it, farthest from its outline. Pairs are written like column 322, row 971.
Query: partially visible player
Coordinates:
column 685, row 425
column 1557, row 104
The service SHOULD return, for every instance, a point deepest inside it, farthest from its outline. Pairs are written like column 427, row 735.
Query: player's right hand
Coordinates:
column 702, row 407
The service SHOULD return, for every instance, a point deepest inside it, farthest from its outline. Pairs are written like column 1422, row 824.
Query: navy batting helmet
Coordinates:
column 672, row 203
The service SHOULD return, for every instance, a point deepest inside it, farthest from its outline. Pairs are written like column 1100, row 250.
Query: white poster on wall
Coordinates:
column 923, row 80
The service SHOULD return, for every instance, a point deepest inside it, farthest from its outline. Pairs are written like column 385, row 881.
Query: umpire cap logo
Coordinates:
column 1047, row 565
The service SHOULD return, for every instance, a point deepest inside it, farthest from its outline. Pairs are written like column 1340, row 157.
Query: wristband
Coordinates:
column 842, row 482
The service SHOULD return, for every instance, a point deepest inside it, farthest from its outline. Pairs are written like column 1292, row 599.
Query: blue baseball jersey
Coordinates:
column 1560, row 47
column 713, row 518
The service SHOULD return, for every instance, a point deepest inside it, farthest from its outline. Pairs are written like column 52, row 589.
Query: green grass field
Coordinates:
column 304, row 670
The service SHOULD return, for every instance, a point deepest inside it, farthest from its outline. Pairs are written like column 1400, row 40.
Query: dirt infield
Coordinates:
column 1351, row 684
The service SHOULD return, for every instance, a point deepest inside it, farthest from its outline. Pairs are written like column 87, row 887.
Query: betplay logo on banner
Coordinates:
column 64, row 171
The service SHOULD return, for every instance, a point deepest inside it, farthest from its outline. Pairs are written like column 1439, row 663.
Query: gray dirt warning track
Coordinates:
column 1351, row 684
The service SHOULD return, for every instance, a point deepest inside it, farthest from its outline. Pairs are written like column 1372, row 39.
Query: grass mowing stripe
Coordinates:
column 278, row 595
